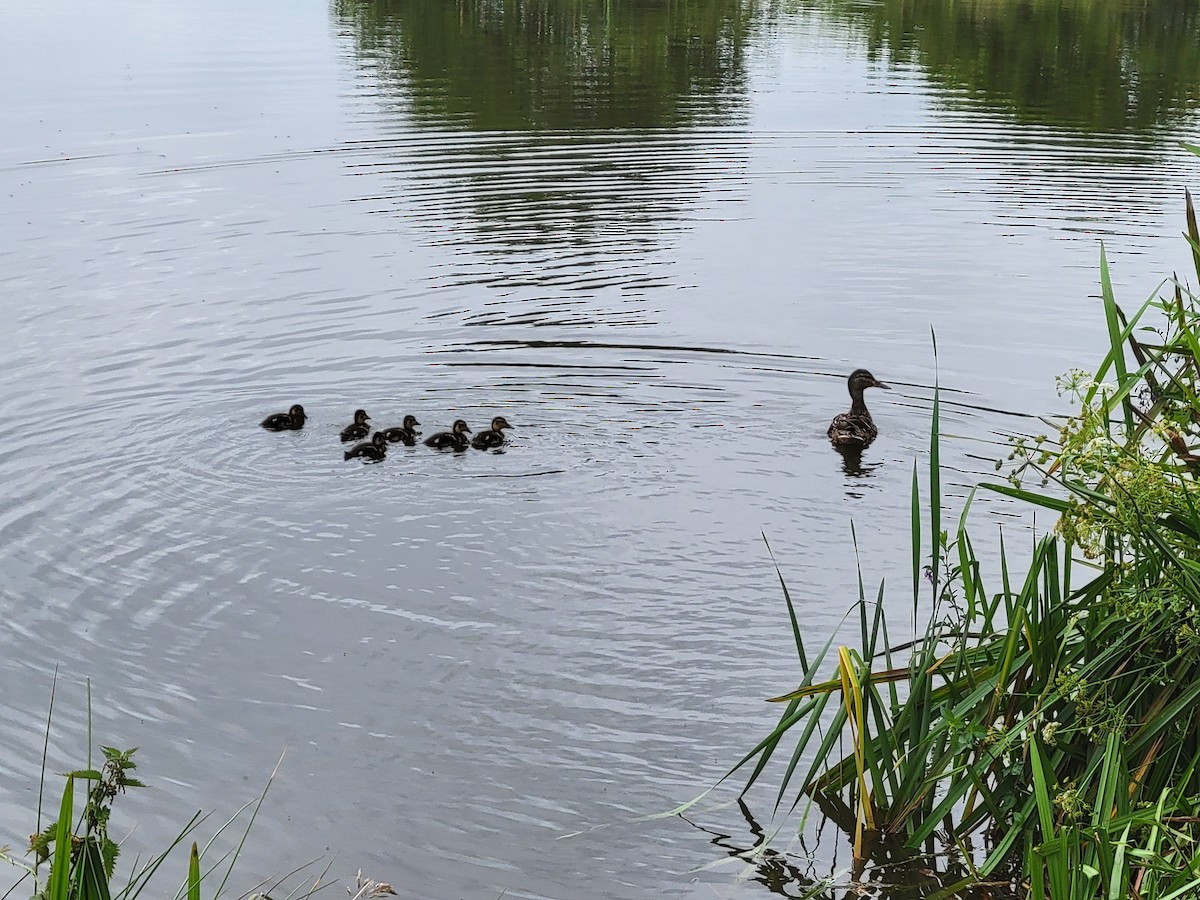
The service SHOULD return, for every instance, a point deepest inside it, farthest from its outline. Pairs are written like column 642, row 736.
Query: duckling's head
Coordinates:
column 297, row 412
column 410, row 422
column 500, row 423
column 861, row 379
column 460, row 426
column 379, row 439
column 360, row 417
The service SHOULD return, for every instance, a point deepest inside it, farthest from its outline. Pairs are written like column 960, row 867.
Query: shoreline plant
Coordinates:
column 1043, row 730
column 82, row 856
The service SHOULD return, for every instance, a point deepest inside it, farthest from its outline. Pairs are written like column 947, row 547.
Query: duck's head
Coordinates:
column 500, row 423
column 360, row 417
column 379, row 439
column 861, row 379
column 460, row 426
column 410, row 422
column 297, row 412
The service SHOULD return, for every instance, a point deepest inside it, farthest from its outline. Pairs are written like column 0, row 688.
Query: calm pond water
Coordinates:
column 656, row 237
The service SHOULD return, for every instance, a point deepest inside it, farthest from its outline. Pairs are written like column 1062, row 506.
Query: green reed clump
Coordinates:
column 1046, row 728
column 81, row 854
column 85, row 860
column 83, row 857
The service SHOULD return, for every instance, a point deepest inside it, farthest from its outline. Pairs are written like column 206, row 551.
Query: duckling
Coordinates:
column 375, row 448
column 406, row 434
column 856, row 428
column 455, row 439
column 360, row 428
column 494, row 437
column 292, row 420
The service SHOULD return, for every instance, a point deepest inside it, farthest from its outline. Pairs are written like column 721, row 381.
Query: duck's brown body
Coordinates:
column 455, row 439
column 292, row 420
column 375, row 448
column 360, row 429
column 856, row 429
column 406, row 434
column 493, row 437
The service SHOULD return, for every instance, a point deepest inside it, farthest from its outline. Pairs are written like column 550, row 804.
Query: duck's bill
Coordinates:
column 880, row 384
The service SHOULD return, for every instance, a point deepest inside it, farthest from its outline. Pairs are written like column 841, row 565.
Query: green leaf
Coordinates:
column 1055, row 503
column 60, row 867
column 110, row 851
column 40, row 844
column 92, row 880
column 193, row 879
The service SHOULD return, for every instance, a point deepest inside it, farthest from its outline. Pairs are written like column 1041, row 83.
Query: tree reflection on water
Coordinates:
column 1088, row 65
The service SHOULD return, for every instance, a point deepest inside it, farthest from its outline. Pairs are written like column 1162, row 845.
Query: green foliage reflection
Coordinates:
column 1095, row 65
column 558, row 64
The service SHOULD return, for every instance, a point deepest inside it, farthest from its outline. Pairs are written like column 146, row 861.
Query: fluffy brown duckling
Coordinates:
column 493, row 437
column 455, row 439
column 856, row 429
column 406, row 434
column 375, row 448
column 292, row 420
column 360, row 429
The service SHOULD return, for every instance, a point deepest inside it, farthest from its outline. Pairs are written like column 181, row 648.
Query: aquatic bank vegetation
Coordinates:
column 82, row 856
column 1043, row 730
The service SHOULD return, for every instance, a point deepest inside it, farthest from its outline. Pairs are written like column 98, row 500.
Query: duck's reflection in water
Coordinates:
column 856, row 469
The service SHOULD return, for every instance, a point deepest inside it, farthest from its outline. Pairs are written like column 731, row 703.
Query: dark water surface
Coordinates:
column 656, row 237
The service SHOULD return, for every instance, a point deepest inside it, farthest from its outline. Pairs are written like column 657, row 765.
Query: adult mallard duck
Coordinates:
column 375, row 448
column 360, row 428
column 406, row 434
column 493, row 437
column 856, row 429
column 454, row 439
column 292, row 420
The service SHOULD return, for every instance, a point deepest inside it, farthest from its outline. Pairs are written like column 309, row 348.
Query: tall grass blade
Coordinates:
column 916, row 547
column 45, row 753
column 1193, row 233
column 250, row 824
column 60, row 866
column 1054, row 503
column 1116, row 342
column 852, row 697
column 92, row 879
column 787, row 597
column 935, row 474
column 193, row 879
column 142, row 877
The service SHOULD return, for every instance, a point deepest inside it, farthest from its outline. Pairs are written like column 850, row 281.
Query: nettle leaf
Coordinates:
column 109, row 851
column 121, row 758
column 39, row 844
